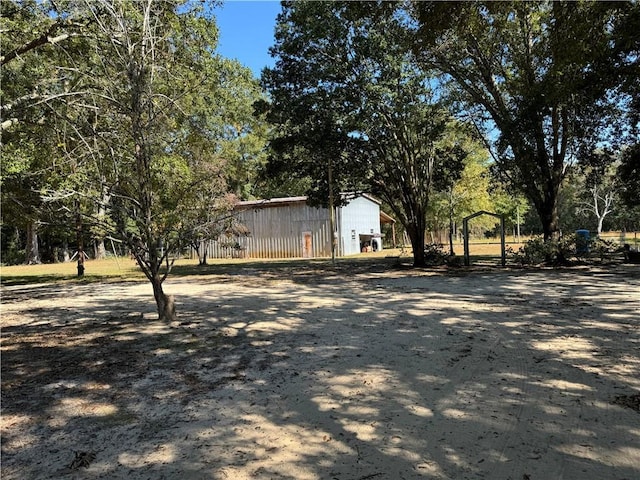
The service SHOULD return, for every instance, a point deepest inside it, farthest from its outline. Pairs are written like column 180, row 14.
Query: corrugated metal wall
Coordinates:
column 278, row 232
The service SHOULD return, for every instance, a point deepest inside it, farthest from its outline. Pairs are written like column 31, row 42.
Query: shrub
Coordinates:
column 434, row 254
column 561, row 252
column 533, row 252
column 570, row 246
column 605, row 248
column 454, row 261
column 536, row 251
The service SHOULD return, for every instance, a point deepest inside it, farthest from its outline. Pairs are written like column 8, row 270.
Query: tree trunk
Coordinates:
column 101, row 250
column 32, row 250
column 165, row 303
column 451, row 227
column 202, row 252
column 80, row 242
column 416, row 235
column 549, row 218
column 65, row 251
column 600, row 224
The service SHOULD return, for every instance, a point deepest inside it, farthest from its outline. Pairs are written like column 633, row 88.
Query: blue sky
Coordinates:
column 246, row 31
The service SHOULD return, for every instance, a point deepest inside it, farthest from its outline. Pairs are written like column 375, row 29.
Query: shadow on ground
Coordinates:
column 323, row 373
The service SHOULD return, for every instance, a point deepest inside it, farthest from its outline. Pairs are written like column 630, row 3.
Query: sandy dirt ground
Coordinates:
column 333, row 373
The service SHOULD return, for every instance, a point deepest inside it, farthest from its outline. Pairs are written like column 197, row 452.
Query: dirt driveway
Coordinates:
column 340, row 374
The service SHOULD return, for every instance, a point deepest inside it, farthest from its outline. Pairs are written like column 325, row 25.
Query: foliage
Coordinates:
column 538, row 251
column 32, row 32
column 28, row 79
column 512, row 206
column 12, row 253
column 534, row 251
column 462, row 194
column 156, row 82
column 561, row 252
column 354, row 111
column 142, row 124
column 629, row 176
column 434, row 254
column 510, row 65
column 604, row 248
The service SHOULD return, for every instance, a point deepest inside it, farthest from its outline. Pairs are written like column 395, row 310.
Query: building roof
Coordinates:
column 272, row 202
column 289, row 200
column 384, row 218
column 277, row 202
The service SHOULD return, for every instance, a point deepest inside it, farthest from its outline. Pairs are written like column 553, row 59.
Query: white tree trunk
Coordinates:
column 32, row 249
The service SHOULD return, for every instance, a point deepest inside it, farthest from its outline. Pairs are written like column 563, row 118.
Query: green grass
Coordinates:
column 95, row 271
column 124, row 269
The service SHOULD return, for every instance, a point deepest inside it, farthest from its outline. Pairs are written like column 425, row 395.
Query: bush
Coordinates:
column 533, row 252
column 605, row 248
column 562, row 251
column 536, row 251
column 570, row 246
column 434, row 254
column 454, row 261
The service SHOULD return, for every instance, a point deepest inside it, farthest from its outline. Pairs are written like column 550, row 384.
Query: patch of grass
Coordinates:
column 125, row 269
column 95, row 271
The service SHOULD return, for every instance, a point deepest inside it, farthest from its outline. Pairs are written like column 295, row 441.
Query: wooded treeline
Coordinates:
column 122, row 127
column 446, row 108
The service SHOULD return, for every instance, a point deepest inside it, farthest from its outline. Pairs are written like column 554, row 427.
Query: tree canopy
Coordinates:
column 545, row 74
column 351, row 102
column 150, row 124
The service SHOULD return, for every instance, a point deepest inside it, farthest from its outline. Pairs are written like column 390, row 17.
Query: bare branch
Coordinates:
column 46, row 38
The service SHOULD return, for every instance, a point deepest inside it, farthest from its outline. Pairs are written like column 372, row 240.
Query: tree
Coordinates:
column 244, row 136
column 459, row 195
column 544, row 73
column 143, row 120
column 629, row 176
column 139, row 148
column 511, row 206
column 30, row 32
column 157, row 85
column 26, row 35
column 355, row 111
column 601, row 186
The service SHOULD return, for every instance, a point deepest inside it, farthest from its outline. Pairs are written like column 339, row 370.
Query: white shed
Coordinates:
column 358, row 225
column 289, row 228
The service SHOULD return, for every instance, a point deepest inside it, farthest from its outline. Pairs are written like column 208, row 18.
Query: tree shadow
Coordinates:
column 326, row 375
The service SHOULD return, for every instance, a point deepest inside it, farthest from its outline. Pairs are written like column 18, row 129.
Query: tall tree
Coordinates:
column 140, row 142
column 355, row 111
column 513, row 207
column 144, row 121
column 543, row 73
column 629, row 176
column 243, row 137
column 154, row 74
column 27, row 34
column 32, row 32
column 601, row 187
column 461, row 195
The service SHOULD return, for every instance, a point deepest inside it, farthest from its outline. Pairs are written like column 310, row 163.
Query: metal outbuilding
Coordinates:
column 290, row 228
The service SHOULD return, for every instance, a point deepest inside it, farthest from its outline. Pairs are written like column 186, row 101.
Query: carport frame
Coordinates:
column 465, row 230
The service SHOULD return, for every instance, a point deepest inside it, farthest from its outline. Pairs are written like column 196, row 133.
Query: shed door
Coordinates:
column 307, row 247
